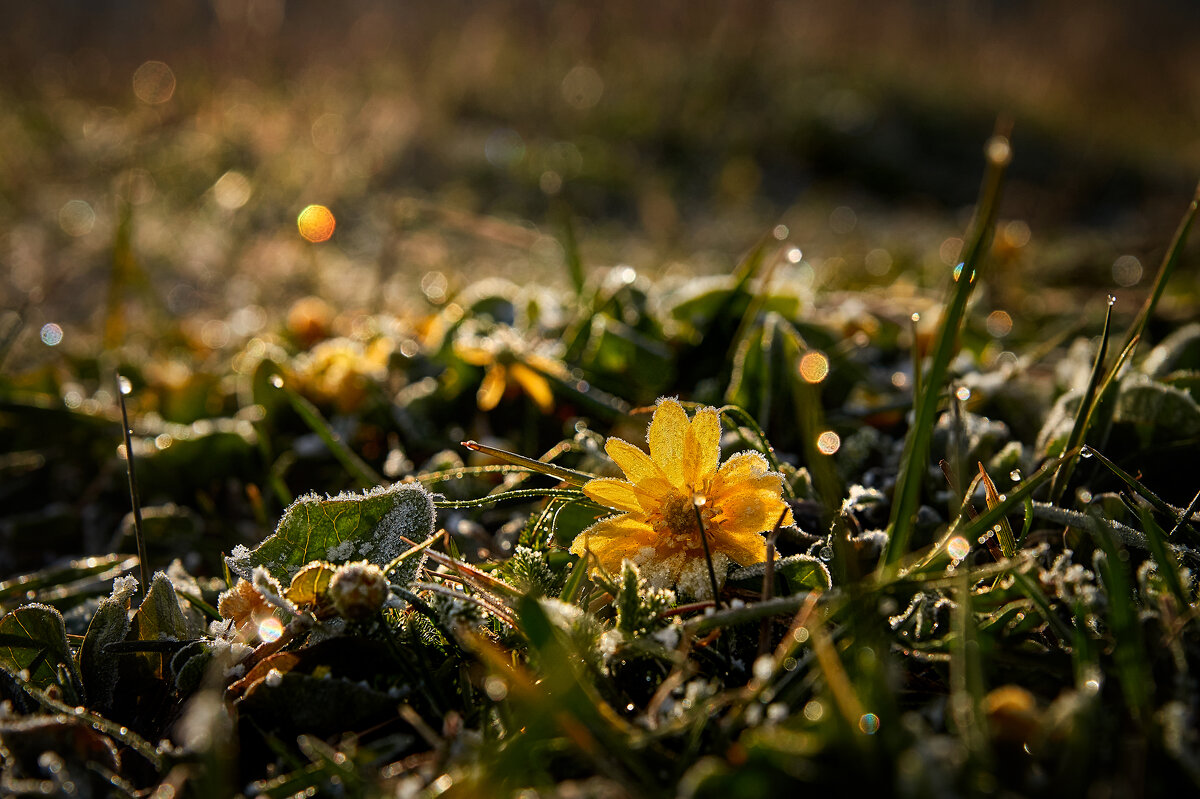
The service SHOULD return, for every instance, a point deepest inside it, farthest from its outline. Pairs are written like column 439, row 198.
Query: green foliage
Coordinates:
column 370, row 526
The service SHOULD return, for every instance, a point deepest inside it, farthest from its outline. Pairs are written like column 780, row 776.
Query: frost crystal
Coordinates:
column 124, row 588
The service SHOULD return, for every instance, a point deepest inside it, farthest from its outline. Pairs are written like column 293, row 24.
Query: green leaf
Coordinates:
column 34, row 637
column 369, row 526
column 804, row 572
column 159, row 618
column 310, row 584
column 98, row 667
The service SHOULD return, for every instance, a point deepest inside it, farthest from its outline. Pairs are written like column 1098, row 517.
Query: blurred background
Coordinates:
column 155, row 157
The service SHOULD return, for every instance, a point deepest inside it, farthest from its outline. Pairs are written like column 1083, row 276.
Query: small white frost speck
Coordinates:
column 274, row 678
column 736, row 603
column 609, row 643
column 235, row 672
column 240, row 651
column 667, row 636
column 240, row 552
column 340, row 551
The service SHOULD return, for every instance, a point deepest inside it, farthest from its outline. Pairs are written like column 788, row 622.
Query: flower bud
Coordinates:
column 358, row 590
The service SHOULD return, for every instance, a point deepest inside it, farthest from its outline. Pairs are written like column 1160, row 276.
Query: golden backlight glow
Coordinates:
column 316, row 223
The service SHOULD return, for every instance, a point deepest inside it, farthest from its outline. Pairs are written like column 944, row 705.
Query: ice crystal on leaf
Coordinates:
column 668, row 494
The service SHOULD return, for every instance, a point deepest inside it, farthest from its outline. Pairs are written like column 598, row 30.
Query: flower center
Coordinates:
column 678, row 518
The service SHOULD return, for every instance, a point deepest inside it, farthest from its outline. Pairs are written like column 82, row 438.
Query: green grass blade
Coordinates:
column 1170, row 261
column 916, row 446
column 1129, row 650
column 1168, row 566
column 362, row 473
column 569, row 476
column 1157, row 502
column 1086, row 403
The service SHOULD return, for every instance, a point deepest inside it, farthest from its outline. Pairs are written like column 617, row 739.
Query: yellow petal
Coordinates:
column 612, row 541
column 613, row 493
column 702, row 447
column 666, row 434
column 744, row 467
column 536, row 386
column 475, row 356
column 750, row 511
column 744, row 549
column 637, row 466
column 492, row 387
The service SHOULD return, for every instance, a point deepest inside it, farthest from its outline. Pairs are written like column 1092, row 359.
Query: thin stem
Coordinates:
column 138, row 533
column 712, row 573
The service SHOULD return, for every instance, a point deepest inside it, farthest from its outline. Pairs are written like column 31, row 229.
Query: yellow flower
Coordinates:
column 509, row 360
column 737, row 501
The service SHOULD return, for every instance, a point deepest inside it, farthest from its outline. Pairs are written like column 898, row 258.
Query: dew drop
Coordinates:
column 958, row 547
column 1015, row 475
column 125, row 385
column 916, row 317
column 277, row 381
column 826, row 553
column 963, row 393
column 1086, row 452
column 1112, row 300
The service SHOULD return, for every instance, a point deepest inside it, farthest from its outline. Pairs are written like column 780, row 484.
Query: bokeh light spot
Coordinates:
column 52, row 335
column 814, row 367
column 958, row 547
column 316, row 223
column 232, row 190
column 869, row 723
column 999, row 324
column 1127, row 271
column 963, row 393
column 154, row 82
column 270, row 628
column 829, row 442
column 76, row 218
column 583, row 87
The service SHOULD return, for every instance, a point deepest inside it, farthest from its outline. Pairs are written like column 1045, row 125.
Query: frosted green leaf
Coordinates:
column 367, row 526
column 804, row 572
column 159, row 618
column 310, row 584
column 34, row 637
column 109, row 624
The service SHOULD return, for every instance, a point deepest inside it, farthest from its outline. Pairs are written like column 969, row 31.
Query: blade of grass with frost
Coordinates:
column 1129, row 650
column 1157, row 502
column 992, row 515
column 1168, row 566
column 569, row 476
column 1008, row 545
column 1083, row 413
column 966, row 675
column 134, row 495
column 920, row 435
column 362, row 473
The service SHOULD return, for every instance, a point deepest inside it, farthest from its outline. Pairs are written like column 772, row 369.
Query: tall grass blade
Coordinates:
column 1086, row 403
column 920, row 435
column 134, row 496
column 359, row 469
column 569, row 476
column 1167, row 564
column 1165, row 270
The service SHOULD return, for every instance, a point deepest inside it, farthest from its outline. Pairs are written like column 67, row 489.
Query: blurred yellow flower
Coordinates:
column 668, row 493
column 341, row 370
column 509, row 360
